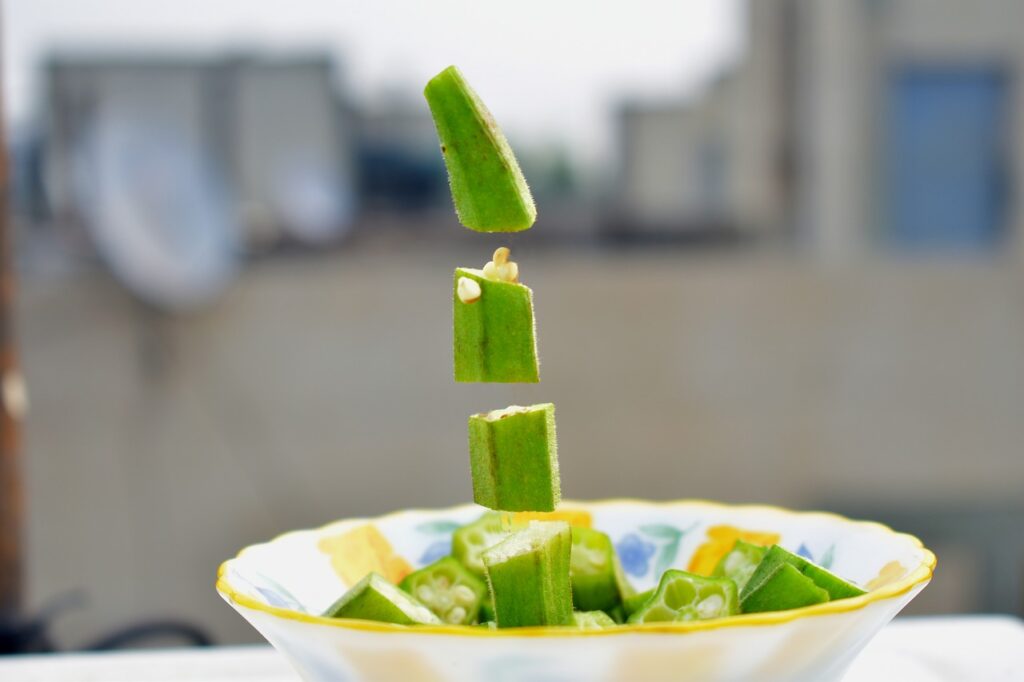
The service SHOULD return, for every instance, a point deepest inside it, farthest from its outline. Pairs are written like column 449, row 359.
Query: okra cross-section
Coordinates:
column 494, row 334
column 592, row 620
column 740, row 563
column 528, row 575
column 448, row 589
column 513, row 458
column 374, row 598
column 488, row 189
column 683, row 596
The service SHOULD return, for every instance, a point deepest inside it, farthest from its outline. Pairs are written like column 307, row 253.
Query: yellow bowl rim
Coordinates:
column 920, row 575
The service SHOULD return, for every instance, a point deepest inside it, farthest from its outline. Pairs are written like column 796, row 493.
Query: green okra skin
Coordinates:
column 449, row 590
column 836, row 587
column 682, row 596
column 592, row 620
column 528, row 575
column 617, row 613
column 494, row 337
column 514, row 458
column 374, row 598
column 740, row 563
column 635, row 602
column 780, row 588
column 594, row 583
column 470, row 541
column 488, row 188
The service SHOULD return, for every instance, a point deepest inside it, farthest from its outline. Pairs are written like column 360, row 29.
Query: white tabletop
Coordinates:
column 952, row 649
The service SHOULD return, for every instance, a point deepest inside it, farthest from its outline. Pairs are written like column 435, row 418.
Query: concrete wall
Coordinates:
column 321, row 388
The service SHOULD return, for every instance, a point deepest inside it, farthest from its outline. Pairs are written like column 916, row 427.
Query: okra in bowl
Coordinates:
column 289, row 589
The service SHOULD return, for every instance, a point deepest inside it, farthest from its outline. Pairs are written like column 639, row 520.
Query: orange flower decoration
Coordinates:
column 361, row 550
column 720, row 541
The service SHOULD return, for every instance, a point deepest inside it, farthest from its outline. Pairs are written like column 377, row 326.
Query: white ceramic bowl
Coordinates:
column 280, row 587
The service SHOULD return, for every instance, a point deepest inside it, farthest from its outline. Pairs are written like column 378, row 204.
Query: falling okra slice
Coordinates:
column 513, row 458
column 449, row 590
column 494, row 334
column 374, row 598
column 740, row 563
column 682, row 596
column 528, row 575
column 489, row 190
column 595, row 586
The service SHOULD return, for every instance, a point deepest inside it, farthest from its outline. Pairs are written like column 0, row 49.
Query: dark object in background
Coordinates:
column 31, row 635
column 392, row 178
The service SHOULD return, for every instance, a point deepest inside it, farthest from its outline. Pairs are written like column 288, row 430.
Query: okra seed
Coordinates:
column 425, row 593
column 710, row 607
column 444, row 601
column 456, row 615
column 501, row 255
column 491, row 270
column 468, row 290
column 442, row 582
column 463, row 595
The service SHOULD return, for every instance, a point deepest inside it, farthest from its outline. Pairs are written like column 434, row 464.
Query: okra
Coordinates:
column 494, row 334
column 594, row 584
column 514, row 458
column 740, row 563
column 470, row 541
column 528, row 575
column 449, row 590
column 682, row 596
column 592, row 620
column 836, row 587
column 635, row 602
column 374, row 598
column 779, row 588
column 488, row 188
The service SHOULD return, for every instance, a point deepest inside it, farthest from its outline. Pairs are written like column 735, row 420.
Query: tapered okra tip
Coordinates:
column 487, row 185
column 451, row 72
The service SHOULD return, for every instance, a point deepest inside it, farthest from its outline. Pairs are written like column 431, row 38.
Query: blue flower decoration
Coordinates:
column 435, row 551
column 634, row 553
column 805, row 552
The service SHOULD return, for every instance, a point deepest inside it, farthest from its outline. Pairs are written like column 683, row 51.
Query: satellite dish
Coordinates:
column 156, row 210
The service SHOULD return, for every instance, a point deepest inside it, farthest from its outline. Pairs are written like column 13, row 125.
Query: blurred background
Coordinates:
column 779, row 258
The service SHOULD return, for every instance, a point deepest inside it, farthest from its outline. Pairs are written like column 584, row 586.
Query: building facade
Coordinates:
column 848, row 128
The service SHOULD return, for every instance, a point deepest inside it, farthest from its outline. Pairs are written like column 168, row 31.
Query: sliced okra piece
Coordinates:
column 617, row 614
column 528, row 575
column 374, row 598
column 488, row 188
column 470, row 541
column 494, row 333
column 594, row 583
column 740, row 563
column 780, row 588
column 447, row 588
column 682, row 596
column 836, row 587
column 513, row 456
column 592, row 620
column 635, row 602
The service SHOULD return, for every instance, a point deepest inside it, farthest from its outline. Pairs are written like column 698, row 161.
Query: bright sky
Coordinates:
column 548, row 69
